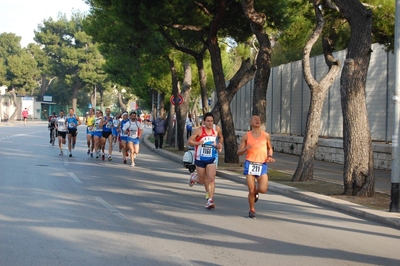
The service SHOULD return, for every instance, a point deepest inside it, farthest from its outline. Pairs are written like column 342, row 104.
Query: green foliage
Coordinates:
column 384, row 22
column 18, row 69
column 72, row 55
column 289, row 42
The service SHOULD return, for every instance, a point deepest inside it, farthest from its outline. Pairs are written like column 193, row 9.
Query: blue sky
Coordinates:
column 22, row 17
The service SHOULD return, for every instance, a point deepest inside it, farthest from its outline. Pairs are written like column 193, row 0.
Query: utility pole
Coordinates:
column 395, row 176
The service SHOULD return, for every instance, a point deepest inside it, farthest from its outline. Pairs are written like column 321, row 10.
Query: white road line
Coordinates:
column 75, row 178
column 110, row 208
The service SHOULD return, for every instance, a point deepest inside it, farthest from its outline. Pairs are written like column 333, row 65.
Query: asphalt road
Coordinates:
column 57, row 210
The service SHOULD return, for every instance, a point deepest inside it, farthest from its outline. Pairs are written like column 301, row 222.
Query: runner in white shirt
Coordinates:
column 133, row 129
column 62, row 129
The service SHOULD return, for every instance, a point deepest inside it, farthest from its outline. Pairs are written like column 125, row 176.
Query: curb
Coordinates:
column 387, row 218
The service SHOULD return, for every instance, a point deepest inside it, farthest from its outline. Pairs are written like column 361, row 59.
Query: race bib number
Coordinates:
column 132, row 133
column 255, row 169
column 109, row 124
column 71, row 124
column 206, row 151
column 90, row 129
column 61, row 124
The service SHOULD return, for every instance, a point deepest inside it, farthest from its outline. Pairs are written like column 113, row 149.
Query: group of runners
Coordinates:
column 207, row 140
column 122, row 129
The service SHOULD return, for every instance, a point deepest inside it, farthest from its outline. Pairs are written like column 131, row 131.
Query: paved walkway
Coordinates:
column 322, row 170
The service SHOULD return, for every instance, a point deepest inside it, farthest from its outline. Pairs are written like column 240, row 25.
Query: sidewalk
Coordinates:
column 322, row 170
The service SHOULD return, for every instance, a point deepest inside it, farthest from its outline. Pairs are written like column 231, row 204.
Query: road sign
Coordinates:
column 172, row 99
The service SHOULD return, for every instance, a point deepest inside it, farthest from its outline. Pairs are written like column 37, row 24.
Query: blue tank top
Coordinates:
column 108, row 124
column 72, row 122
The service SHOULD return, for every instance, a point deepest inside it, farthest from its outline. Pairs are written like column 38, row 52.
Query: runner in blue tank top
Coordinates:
column 107, row 134
column 123, row 136
column 72, row 122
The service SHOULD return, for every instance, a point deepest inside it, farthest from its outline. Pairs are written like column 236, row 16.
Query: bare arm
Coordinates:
column 221, row 139
column 243, row 147
column 192, row 140
column 270, row 150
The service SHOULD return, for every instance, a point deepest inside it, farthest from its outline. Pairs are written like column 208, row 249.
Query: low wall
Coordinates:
column 329, row 150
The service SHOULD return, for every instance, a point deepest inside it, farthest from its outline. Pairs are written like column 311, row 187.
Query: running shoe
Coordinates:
column 70, row 155
column 124, row 161
column 88, row 151
column 132, row 165
column 192, row 178
column 103, row 157
column 91, row 154
column 109, row 157
column 252, row 214
column 61, row 152
column 210, row 204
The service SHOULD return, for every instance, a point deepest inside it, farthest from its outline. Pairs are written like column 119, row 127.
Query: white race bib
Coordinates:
column 206, row 151
column 132, row 133
column 255, row 169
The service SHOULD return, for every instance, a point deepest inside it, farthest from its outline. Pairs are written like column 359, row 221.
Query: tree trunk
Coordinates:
column 77, row 86
column 17, row 110
column 241, row 78
column 170, row 127
column 228, row 129
column 183, row 110
column 257, row 21
column 45, row 85
column 162, row 106
column 93, row 97
column 358, row 176
column 194, row 112
column 305, row 166
column 121, row 102
column 203, row 81
column 101, row 99
column 199, row 57
column 175, row 107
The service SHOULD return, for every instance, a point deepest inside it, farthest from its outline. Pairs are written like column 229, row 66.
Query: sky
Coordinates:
column 22, row 17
